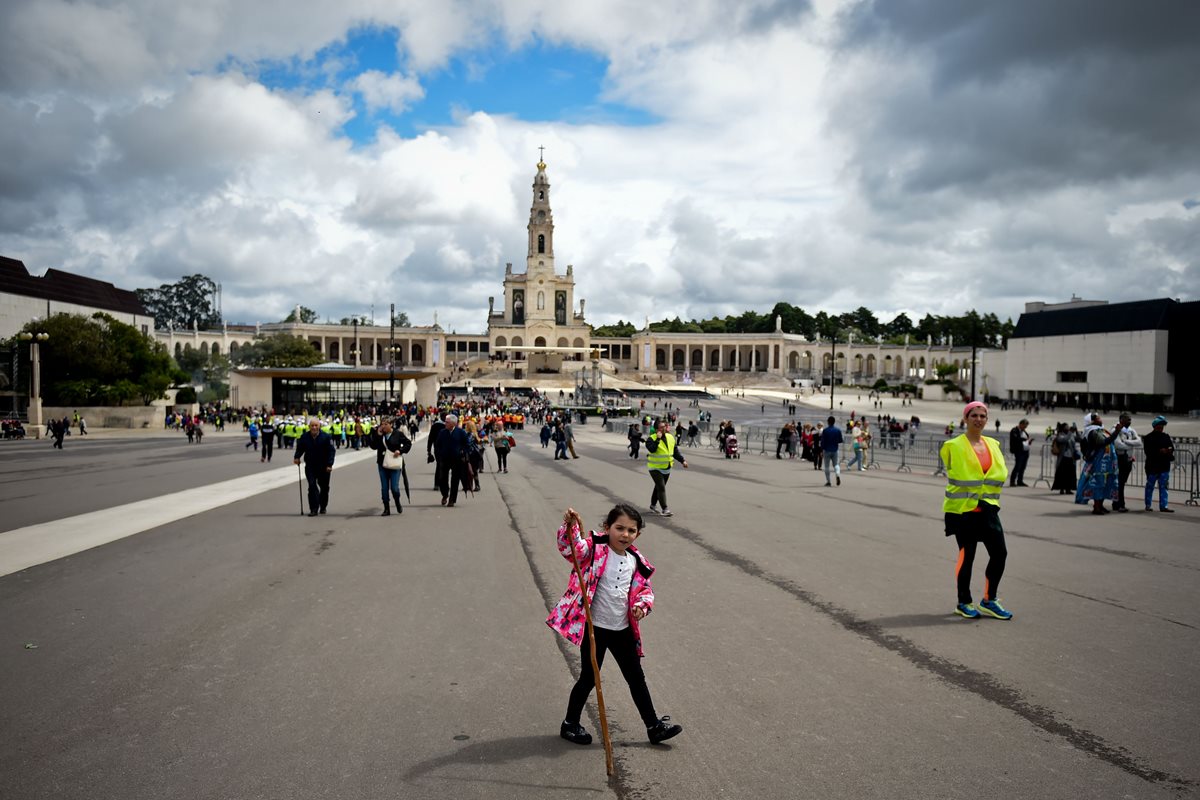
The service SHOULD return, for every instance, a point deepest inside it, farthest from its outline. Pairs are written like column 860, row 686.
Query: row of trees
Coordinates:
column 985, row 330
column 99, row 360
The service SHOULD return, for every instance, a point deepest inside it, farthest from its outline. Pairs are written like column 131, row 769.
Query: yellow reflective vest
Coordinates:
column 967, row 484
column 661, row 459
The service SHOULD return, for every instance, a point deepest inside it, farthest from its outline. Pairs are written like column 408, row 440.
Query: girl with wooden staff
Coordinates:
column 618, row 596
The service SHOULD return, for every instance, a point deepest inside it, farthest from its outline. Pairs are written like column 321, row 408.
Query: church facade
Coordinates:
column 537, row 320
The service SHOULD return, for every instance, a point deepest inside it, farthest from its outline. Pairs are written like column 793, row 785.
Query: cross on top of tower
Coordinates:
column 541, row 153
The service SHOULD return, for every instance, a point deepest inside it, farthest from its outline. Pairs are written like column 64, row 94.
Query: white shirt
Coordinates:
column 610, row 604
column 1128, row 440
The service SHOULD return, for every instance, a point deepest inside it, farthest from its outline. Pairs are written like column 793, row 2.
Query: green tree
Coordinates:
column 190, row 301
column 622, row 328
column 899, row 327
column 99, row 360
column 401, row 320
column 307, row 316
column 280, row 350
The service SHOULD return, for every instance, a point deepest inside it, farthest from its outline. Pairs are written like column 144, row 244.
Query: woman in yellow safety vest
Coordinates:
column 660, row 453
column 976, row 473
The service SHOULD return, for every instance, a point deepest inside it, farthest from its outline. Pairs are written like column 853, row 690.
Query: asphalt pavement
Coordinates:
column 802, row 636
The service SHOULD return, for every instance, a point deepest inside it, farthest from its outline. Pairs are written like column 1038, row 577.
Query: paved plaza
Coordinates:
column 802, row 635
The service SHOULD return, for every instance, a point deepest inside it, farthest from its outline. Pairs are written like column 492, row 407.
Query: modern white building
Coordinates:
column 25, row 297
column 1138, row 356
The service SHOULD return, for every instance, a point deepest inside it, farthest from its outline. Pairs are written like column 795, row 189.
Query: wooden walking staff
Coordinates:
column 591, row 632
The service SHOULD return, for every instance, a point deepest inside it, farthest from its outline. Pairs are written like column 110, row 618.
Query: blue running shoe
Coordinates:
column 966, row 610
column 993, row 609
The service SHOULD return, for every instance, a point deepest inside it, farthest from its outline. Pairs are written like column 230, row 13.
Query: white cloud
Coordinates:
column 392, row 92
column 140, row 146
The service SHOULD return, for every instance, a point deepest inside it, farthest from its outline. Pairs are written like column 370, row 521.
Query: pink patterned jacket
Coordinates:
column 567, row 617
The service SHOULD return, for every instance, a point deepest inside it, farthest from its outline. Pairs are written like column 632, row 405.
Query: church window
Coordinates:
column 541, row 242
column 541, row 195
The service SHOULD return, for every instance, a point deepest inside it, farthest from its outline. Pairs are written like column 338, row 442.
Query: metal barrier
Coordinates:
column 923, row 452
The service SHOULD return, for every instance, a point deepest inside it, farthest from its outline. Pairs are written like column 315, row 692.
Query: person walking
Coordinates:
column 451, row 452
column 857, row 446
column 317, row 451
column 1099, row 479
column 635, row 439
column 267, row 431
column 1127, row 445
column 782, row 439
column 617, row 586
column 1018, row 445
column 386, row 439
column 252, row 428
column 559, row 437
column 502, row 443
column 569, row 437
column 661, row 452
column 975, row 473
column 1160, row 452
column 831, row 440
column 82, row 426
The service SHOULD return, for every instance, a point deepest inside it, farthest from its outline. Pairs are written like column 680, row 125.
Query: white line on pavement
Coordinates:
column 37, row 544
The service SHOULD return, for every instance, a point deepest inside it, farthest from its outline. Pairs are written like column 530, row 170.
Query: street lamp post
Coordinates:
column 35, row 383
column 392, row 355
column 832, row 366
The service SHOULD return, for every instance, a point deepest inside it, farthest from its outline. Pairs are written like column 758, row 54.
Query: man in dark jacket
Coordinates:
column 267, row 429
column 386, row 440
column 1160, row 452
column 1018, row 445
column 450, row 449
column 435, row 428
column 317, row 450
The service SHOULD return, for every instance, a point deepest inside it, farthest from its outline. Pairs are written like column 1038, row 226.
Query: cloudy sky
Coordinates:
column 705, row 157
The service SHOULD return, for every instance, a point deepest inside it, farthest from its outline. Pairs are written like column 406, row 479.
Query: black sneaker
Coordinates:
column 575, row 733
column 662, row 731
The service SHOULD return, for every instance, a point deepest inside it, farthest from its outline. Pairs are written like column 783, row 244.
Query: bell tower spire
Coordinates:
column 541, row 223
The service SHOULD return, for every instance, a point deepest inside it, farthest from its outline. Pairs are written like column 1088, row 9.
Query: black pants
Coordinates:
column 659, row 495
column 449, row 474
column 1018, row 474
column 624, row 650
column 1124, row 467
column 318, row 487
column 502, row 459
column 268, row 447
column 969, row 530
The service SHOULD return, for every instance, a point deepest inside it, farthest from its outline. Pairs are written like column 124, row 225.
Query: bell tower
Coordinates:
column 541, row 225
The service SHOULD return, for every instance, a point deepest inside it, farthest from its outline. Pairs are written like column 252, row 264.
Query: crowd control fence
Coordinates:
column 916, row 451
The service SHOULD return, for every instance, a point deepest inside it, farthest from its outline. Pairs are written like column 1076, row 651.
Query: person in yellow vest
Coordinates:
column 976, row 473
column 660, row 453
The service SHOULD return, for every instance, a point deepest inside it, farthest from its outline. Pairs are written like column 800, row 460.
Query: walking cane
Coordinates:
column 591, row 632
column 300, row 486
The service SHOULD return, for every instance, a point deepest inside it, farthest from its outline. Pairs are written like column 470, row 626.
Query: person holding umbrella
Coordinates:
column 387, row 441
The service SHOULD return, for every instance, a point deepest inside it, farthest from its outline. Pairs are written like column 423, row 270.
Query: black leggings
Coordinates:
column 659, row 495
column 970, row 532
column 624, row 650
column 502, row 459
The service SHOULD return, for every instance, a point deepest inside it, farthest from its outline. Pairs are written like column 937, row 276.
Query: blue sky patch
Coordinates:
column 538, row 83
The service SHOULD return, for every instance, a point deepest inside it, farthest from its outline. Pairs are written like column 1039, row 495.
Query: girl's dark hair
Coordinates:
column 624, row 510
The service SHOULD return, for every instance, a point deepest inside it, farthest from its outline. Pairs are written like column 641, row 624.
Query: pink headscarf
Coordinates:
column 969, row 406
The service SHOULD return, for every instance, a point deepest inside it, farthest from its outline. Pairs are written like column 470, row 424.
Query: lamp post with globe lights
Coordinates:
column 35, row 339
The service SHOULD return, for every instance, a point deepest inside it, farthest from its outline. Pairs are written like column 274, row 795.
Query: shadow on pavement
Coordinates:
column 498, row 751
column 915, row 620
